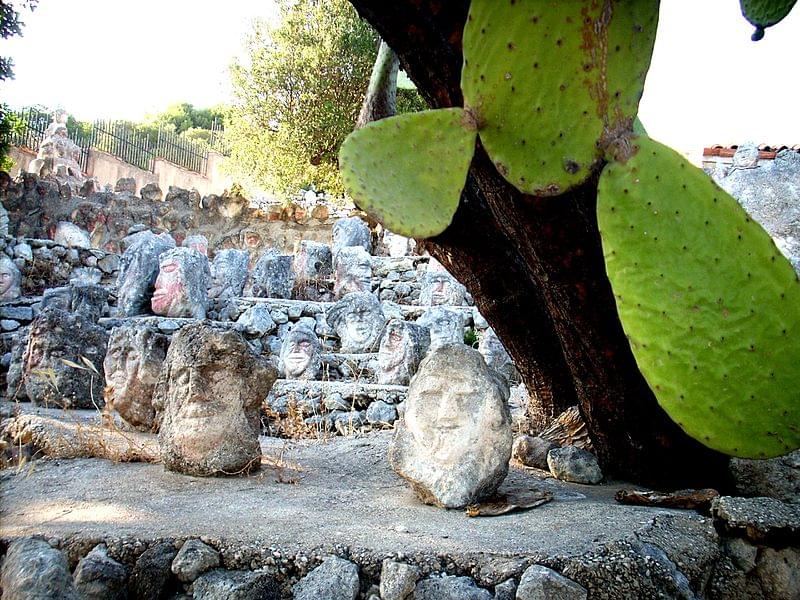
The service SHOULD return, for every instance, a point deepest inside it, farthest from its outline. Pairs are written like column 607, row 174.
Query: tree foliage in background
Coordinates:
column 297, row 95
column 10, row 25
column 183, row 117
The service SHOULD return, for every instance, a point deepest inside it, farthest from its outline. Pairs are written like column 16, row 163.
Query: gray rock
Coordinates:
column 532, row 451
column 236, row 585
column 257, row 320
column 193, row 559
column 150, row 578
column 168, row 325
column 108, row 264
column 71, row 236
column 209, row 393
column 495, row 354
column 100, row 577
column 449, row 587
column 381, row 413
column 273, row 276
column 774, row 477
column 228, row 273
column 279, row 316
column 454, row 442
column 541, row 583
column 16, row 313
column 125, row 185
column 86, row 275
column 151, row 192
column 506, row 590
column 350, row 231
column 760, row 520
column 334, row 579
column 398, row 580
column 23, row 251
column 32, row 570
column 8, row 325
column 779, row 572
column 571, row 463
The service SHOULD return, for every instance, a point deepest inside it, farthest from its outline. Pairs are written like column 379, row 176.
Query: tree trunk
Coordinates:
column 535, row 268
column 381, row 99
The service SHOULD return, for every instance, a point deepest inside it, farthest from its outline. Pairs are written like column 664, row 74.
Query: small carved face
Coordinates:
column 200, row 247
column 252, row 240
column 441, row 290
column 445, row 331
column 298, row 357
column 395, row 347
column 359, row 326
column 170, row 288
column 9, row 284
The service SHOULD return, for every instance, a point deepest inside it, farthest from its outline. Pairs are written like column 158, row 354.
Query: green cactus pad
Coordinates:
column 710, row 306
column 552, row 84
column 765, row 13
column 408, row 171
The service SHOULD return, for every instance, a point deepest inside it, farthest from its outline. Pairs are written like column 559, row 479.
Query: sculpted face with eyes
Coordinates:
column 402, row 348
column 300, row 354
column 10, row 278
column 209, row 392
column 439, row 288
column 445, row 326
column 182, row 284
column 454, row 443
column 133, row 361
column 358, row 320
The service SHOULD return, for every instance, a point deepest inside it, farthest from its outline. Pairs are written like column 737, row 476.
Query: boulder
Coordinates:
column 398, row 580
column 449, row 587
column 33, row 569
column 151, row 575
column 541, row 583
column 193, row 559
column 235, row 585
column 100, row 577
column 335, row 579
column 571, row 463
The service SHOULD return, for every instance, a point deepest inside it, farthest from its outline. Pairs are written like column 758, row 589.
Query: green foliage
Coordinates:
column 183, row 116
column 765, row 13
column 417, row 195
column 471, row 337
column 297, row 96
column 11, row 25
column 707, row 301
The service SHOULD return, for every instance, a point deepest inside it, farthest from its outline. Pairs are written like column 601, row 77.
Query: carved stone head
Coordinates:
column 358, row 320
column 133, row 362
column 353, row 271
column 495, row 354
column 402, row 348
column 196, row 242
column 228, row 272
column 273, row 276
column 300, row 354
column 439, row 288
column 445, row 326
column 182, row 284
column 209, row 392
column 350, row 231
column 454, row 443
column 138, row 269
column 10, row 279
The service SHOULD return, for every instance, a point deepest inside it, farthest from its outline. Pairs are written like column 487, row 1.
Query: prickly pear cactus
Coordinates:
column 408, row 171
column 552, row 84
column 711, row 308
column 765, row 13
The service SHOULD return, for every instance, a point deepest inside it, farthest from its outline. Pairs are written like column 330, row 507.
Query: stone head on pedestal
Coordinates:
column 445, row 326
column 402, row 348
column 359, row 321
column 439, row 288
column 300, row 354
column 353, row 272
column 182, row 285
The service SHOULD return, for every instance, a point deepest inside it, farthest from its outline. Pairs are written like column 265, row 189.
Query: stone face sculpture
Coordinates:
column 350, row 231
column 57, row 336
column 495, row 354
column 273, row 276
column 439, row 288
column 133, row 362
column 454, row 442
column 208, row 393
column 300, row 354
column 445, row 326
column 313, row 266
column 353, row 271
column 228, row 272
column 402, row 348
column 182, row 285
column 70, row 235
column 138, row 270
column 358, row 321
column 196, row 242
column 10, row 279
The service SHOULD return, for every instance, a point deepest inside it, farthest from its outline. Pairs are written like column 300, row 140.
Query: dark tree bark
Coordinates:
column 535, row 268
column 381, row 99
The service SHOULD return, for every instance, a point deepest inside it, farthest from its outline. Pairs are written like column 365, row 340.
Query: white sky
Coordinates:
column 708, row 82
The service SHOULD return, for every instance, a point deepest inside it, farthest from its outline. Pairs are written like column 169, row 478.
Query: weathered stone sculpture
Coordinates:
column 228, row 273
column 402, row 348
column 350, row 231
column 138, row 270
column 58, row 155
column 353, row 271
column 57, row 336
column 359, row 321
column 10, row 279
column 208, row 393
column 495, row 354
column 313, row 266
column 273, row 276
column 133, row 362
column 70, row 235
column 445, row 326
column 182, row 284
column 454, row 442
column 196, row 242
column 439, row 288
column 300, row 354
column 88, row 299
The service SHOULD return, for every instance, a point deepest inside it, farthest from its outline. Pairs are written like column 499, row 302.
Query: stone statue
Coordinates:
column 358, row 320
column 58, row 155
column 350, row 231
column 273, row 276
column 454, row 442
column 138, row 270
column 57, row 336
column 402, row 348
column 70, row 235
column 196, row 242
column 353, row 271
column 10, row 279
column 136, row 352
column 313, row 267
column 439, row 288
column 445, row 326
column 495, row 354
column 208, row 394
column 182, row 284
column 300, row 354
column 228, row 272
